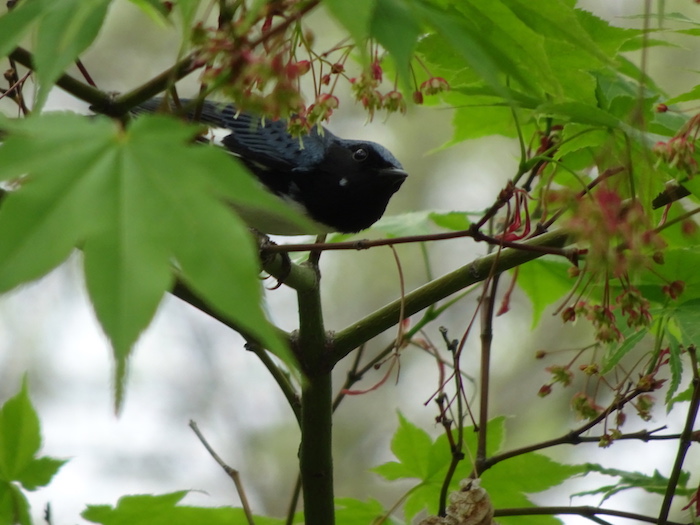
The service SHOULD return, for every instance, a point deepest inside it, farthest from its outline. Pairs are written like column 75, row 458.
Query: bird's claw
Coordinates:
column 267, row 257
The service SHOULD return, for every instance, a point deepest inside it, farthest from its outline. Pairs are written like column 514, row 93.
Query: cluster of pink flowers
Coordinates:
column 366, row 89
column 618, row 234
column 679, row 152
column 265, row 79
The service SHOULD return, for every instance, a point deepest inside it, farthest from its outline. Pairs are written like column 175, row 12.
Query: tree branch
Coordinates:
column 570, row 438
column 684, row 442
column 585, row 511
column 315, row 453
column 72, row 85
column 374, row 324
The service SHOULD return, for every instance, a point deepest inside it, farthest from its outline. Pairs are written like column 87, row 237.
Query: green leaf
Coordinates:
column 471, row 122
column 16, row 22
column 676, row 367
column 422, row 458
column 686, row 395
column 53, row 211
column 679, row 264
column 581, row 113
column 654, row 484
column 163, row 510
column 412, row 447
column 557, row 20
column 413, row 223
column 188, row 12
column 40, row 472
column 155, row 9
column 544, row 281
column 14, row 507
column 66, row 29
column 136, row 200
column 576, row 137
column 687, row 315
column 354, row 16
column 474, row 46
column 396, row 28
column 615, row 354
column 452, row 220
column 505, row 31
column 693, row 94
column 608, row 38
column 20, row 438
column 351, row 511
column 508, row 482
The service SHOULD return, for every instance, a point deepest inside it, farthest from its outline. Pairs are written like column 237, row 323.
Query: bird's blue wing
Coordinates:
column 254, row 138
column 269, row 142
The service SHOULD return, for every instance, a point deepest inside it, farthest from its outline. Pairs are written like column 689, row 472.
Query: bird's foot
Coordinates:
column 280, row 261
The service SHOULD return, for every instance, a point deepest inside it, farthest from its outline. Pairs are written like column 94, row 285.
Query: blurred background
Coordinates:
column 188, row 366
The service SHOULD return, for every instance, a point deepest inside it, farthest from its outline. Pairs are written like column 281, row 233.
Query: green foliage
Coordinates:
column 66, row 29
column 427, row 460
column 354, row 512
column 545, row 281
column 133, row 205
column 164, row 510
column 15, row 24
column 355, row 17
column 654, row 484
column 598, row 138
column 20, row 441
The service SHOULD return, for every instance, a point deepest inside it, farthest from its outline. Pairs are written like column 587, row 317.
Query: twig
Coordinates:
column 294, row 501
column 83, row 70
column 231, row 472
column 585, row 511
column 47, row 514
column 353, row 376
column 66, row 82
column 487, row 311
column 356, row 373
column 596, row 519
column 365, row 244
column 456, row 446
column 610, row 172
column 642, row 435
column 684, row 442
column 183, row 292
column 281, row 377
column 571, row 438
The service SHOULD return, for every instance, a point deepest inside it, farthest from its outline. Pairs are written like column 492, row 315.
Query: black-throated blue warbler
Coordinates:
column 342, row 185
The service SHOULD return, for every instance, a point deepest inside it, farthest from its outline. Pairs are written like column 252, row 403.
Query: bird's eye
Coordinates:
column 360, row 154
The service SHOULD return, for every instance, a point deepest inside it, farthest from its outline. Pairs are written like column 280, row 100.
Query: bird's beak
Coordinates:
column 393, row 176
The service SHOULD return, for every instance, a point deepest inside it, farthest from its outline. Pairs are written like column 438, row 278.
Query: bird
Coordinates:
column 342, row 185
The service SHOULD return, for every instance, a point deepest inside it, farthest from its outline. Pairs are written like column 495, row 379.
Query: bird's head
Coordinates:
column 351, row 187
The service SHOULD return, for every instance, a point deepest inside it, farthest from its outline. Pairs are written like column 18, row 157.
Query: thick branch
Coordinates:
column 315, row 453
column 374, row 324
